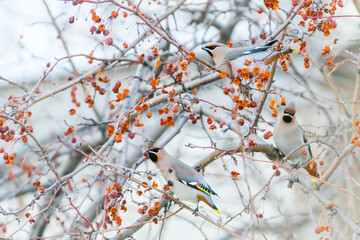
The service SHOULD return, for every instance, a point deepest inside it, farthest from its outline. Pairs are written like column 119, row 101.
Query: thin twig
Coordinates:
column 42, row 149
column 335, row 164
column 21, row 86
column 356, row 98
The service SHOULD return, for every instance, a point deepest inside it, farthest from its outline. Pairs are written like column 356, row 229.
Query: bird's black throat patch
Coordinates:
column 152, row 155
column 287, row 117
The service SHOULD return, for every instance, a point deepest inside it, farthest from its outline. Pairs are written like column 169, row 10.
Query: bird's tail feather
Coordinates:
column 207, row 199
column 216, row 209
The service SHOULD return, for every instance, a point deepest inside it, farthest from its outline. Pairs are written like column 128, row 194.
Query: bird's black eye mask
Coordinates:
column 211, row 47
column 152, row 154
column 288, row 117
column 208, row 49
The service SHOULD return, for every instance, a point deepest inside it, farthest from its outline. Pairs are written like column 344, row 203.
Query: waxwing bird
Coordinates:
column 230, row 59
column 288, row 135
column 185, row 182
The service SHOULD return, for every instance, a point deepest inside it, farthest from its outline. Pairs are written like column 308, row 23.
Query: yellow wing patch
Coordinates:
column 200, row 188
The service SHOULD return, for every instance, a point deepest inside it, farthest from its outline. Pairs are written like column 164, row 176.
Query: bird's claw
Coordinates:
column 295, row 165
column 175, row 203
column 292, row 181
column 195, row 213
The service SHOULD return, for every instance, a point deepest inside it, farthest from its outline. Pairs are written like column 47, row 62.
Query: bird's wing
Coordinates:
column 240, row 52
column 235, row 53
column 188, row 176
column 308, row 168
column 306, row 141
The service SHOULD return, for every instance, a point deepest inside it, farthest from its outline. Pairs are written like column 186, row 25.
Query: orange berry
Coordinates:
column 114, row 14
column 72, row 111
column 318, row 230
column 234, row 174
column 222, row 74
column 256, row 70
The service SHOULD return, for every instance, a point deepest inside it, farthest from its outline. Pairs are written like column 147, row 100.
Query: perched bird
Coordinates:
column 230, row 59
column 288, row 135
column 186, row 183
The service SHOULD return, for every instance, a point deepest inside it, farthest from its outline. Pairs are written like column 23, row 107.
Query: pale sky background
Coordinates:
column 28, row 41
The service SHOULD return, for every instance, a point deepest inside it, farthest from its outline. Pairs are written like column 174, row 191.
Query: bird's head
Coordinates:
column 155, row 153
column 289, row 112
column 214, row 49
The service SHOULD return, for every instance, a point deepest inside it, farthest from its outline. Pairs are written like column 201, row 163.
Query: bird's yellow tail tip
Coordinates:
column 314, row 180
column 294, row 49
column 217, row 211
